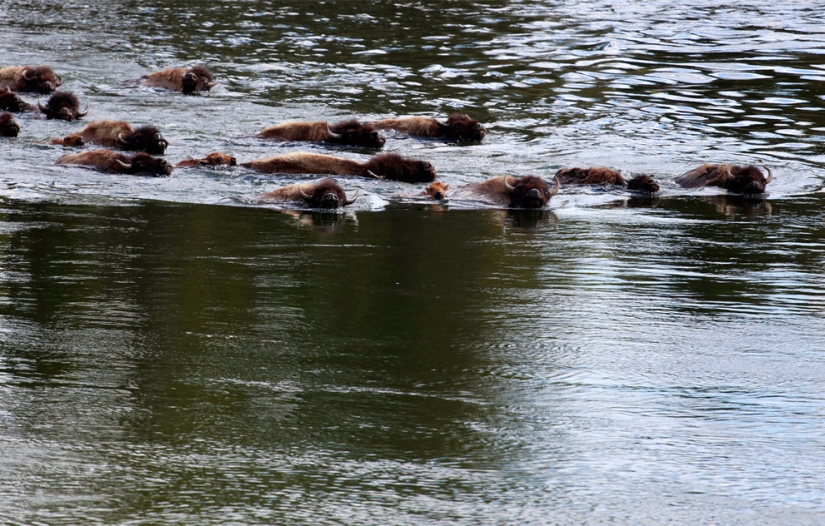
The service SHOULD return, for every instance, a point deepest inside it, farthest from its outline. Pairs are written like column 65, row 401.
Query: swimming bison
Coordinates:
column 513, row 192
column 323, row 193
column 457, row 128
column 213, row 159
column 121, row 135
column 29, row 78
column 187, row 80
column 118, row 163
column 733, row 178
column 12, row 102
column 348, row 133
column 606, row 176
column 62, row 105
column 8, row 126
column 384, row 166
column 72, row 139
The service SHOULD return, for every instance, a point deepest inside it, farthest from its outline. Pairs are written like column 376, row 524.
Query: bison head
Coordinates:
column 8, row 126
column 72, row 140
column 643, row 184
column 146, row 138
column 142, row 162
column 397, row 168
column 41, row 79
column 198, row 78
column 353, row 133
column 217, row 158
column 746, row 179
column 437, row 190
column 463, row 128
column 62, row 105
column 530, row 192
column 11, row 102
column 590, row 176
column 326, row 194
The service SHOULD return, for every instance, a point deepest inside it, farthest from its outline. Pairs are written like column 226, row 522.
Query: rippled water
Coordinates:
column 170, row 354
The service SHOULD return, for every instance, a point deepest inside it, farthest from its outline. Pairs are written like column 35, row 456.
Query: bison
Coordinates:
column 600, row 175
column 733, row 178
column 30, row 78
column 323, row 193
column 187, row 80
column 384, row 166
column 458, row 127
column 436, row 190
column 62, row 105
column 348, row 133
column 12, row 102
column 528, row 191
column 118, row 163
column 121, row 135
column 8, row 126
column 72, row 139
column 213, row 159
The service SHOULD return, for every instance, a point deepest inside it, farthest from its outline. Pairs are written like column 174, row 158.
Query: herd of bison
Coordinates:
column 507, row 191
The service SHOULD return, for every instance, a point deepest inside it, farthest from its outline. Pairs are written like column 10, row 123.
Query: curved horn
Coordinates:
column 211, row 84
column 306, row 197
column 770, row 174
column 507, row 186
column 330, row 134
column 25, row 75
column 123, row 165
column 44, row 109
column 58, row 81
column 374, row 176
column 120, row 138
column 349, row 201
column 84, row 112
column 556, row 189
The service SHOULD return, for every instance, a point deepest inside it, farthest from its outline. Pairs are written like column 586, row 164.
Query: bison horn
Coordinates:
column 211, row 84
column 507, row 186
column 556, row 189
column 120, row 138
column 44, row 109
column 306, row 197
column 58, row 81
column 770, row 174
column 25, row 75
column 123, row 165
column 84, row 112
column 374, row 176
column 330, row 134
column 351, row 200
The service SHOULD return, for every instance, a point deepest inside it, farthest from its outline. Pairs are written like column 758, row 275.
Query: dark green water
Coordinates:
column 172, row 355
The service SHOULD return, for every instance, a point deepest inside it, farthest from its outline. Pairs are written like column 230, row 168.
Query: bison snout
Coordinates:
column 46, row 87
column 233, row 161
column 480, row 131
column 755, row 187
column 329, row 201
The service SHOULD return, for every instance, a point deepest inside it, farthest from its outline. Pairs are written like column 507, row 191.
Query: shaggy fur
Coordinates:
column 524, row 192
column 69, row 140
column 29, row 78
column 733, row 178
column 186, row 80
column 63, row 105
column 323, row 193
column 385, row 166
column 110, row 161
column 12, row 102
column 457, row 128
column 121, row 135
column 8, row 126
column 348, row 133
column 600, row 175
column 213, row 159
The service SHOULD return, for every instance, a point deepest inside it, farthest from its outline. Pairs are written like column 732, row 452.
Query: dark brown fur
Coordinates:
column 348, row 133
column 8, row 126
column 186, row 80
column 62, row 105
column 69, row 140
column 384, row 166
column 213, row 159
column 110, row 161
column 323, row 193
column 30, row 78
column 524, row 192
column 600, row 175
column 457, row 128
column 121, row 135
column 12, row 102
column 733, row 178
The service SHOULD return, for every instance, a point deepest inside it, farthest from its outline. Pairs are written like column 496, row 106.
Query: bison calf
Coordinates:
column 8, row 126
column 384, row 166
column 323, row 193
column 213, row 159
column 186, row 80
column 120, row 134
column 349, row 133
column 513, row 192
column 733, row 178
column 29, row 78
column 457, row 128
column 72, row 139
column 62, row 105
column 603, row 176
column 118, row 163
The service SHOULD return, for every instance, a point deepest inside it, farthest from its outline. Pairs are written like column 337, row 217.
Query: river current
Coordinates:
column 172, row 354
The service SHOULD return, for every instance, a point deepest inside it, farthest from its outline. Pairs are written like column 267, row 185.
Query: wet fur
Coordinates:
column 213, row 159
column 745, row 179
column 62, row 105
column 12, row 102
column 176, row 79
column 353, row 133
column 72, row 139
column 41, row 79
column 106, row 133
column 458, row 127
column 493, row 191
column 317, row 189
column 107, row 161
column 436, row 190
column 600, row 175
column 387, row 166
column 8, row 126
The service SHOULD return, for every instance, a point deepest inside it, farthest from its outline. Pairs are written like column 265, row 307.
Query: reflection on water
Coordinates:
column 169, row 354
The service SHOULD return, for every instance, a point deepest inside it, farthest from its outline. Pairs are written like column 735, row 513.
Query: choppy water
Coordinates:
column 169, row 354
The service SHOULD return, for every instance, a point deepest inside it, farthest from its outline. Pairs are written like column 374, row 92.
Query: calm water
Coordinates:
column 170, row 354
